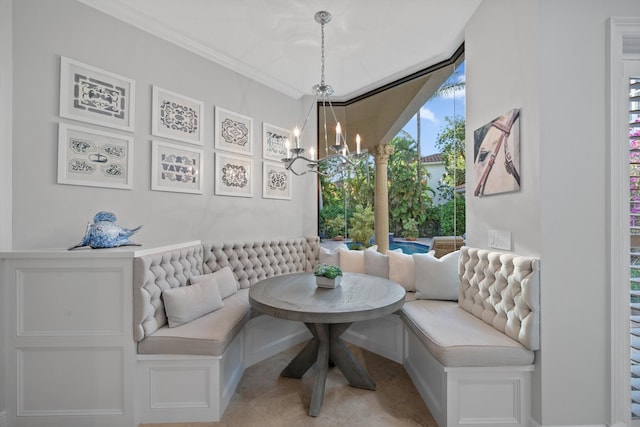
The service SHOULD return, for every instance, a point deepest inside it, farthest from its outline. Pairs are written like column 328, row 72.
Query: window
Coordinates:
column 379, row 117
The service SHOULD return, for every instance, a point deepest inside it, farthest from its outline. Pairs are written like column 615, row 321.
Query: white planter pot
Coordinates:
column 324, row 282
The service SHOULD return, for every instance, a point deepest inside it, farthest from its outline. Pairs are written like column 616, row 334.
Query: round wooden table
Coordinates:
column 327, row 313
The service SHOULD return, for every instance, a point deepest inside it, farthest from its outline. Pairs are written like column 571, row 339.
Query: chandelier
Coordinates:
column 337, row 151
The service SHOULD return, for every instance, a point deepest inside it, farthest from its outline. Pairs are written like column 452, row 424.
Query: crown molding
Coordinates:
column 118, row 10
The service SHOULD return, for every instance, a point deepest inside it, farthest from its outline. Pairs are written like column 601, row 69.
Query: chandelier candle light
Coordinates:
column 339, row 150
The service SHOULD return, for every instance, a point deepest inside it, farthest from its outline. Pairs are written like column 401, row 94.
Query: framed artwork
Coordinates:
column 274, row 142
column 276, row 181
column 234, row 132
column 176, row 168
column 234, row 175
column 496, row 165
column 176, row 116
column 96, row 96
column 94, row 158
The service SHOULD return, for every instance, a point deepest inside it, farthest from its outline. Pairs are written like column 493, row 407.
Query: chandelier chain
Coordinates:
column 322, row 55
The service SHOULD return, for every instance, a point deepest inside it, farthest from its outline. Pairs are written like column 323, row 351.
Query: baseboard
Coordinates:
column 534, row 423
column 3, row 419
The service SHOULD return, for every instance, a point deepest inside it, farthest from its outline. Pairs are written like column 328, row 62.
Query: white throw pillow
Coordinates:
column 185, row 303
column 330, row 257
column 375, row 263
column 437, row 278
column 227, row 282
column 351, row 261
column 402, row 270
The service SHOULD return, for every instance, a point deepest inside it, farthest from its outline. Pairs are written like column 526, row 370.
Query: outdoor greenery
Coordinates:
column 447, row 217
column 410, row 228
column 408, row 192
column 348, row 193
column 450, row 143
column 362, row 225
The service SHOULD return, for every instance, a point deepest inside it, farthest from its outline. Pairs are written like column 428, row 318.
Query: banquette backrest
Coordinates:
column 249, row 261
column 255, row 261
column 503, row 290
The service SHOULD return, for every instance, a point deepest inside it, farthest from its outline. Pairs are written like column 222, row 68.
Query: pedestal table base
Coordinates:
column 326, row 347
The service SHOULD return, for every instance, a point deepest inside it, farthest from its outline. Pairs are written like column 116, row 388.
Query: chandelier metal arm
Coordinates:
column 313, row 165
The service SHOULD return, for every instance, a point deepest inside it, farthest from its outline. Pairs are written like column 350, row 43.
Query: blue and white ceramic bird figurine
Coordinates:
column 105, row 233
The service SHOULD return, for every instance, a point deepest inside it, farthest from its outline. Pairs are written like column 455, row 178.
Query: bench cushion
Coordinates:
column 227, row 283
column 209, row 335
column 185, row 303
column 457, row 338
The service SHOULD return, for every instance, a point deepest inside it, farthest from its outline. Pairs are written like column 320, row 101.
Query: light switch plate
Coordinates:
column 500, row 239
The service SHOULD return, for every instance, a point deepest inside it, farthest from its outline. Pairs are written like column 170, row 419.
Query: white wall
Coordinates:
column 47, row 214
column 501, row 74
column 548, row 57
column 6, row 72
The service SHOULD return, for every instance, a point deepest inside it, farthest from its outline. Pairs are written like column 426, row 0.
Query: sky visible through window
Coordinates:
column 433, row 113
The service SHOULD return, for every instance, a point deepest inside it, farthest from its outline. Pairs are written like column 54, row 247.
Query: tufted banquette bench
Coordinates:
column 189, row 372
column 470, row 359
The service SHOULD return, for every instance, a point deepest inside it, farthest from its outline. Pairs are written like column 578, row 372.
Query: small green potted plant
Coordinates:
column 328, row 276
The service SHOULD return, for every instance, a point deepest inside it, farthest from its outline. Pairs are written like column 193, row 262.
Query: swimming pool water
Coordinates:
column 406, row 247
column 410, row 247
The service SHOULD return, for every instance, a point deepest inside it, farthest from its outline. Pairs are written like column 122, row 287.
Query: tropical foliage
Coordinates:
column 408, row 191
column 349, row 193
column 362, row 225
column 410, row 228
column 450, row 143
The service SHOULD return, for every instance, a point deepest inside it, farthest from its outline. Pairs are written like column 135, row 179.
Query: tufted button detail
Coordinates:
column 503, row 291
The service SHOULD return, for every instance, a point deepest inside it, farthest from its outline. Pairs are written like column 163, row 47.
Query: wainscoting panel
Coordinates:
column 53, row 381
column 65, row 302
column 70, row 354
column 180, row 387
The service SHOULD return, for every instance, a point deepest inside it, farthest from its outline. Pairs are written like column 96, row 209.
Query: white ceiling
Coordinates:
column 277, row 42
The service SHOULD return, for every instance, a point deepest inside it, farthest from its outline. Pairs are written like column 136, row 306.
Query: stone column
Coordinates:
column 381, row 155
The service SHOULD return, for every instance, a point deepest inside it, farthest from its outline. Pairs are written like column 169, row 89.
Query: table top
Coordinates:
column 296, row 297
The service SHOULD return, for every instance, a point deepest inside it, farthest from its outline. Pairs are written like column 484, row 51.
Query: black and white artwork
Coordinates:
column 176, row 116
column 276, row 181
column 234, row 175
column 94, row 158
column 96, row 96
column 275, row 142
column 234, row 132
column 176, row 168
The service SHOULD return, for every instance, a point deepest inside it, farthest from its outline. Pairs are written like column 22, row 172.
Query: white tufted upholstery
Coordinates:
column 154, row 273
column 249, row 261
column 254, row 261
column 504, row 291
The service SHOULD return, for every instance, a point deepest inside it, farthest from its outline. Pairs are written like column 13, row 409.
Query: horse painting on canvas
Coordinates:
column 497, row 155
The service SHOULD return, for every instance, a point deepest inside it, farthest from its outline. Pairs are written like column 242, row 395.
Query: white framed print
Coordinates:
column 94, row 158
column 275, row 142
column 276, row 181
column 176, row 116
column 233, row 131
column 176, row 168
column 96, row 96
column 234, row 175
